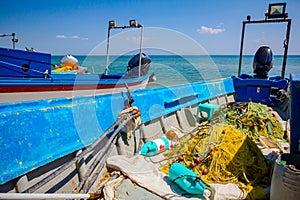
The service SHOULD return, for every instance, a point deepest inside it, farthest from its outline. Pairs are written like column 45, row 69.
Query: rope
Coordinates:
column 101, row 158
column 79, row 156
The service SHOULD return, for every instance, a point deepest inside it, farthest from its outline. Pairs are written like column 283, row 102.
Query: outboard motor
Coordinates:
column 263, row 62
column 133, row 65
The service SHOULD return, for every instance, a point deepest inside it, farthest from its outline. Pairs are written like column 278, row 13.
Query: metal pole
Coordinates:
column 141, row 41
column 14, row 40
column 286, row 46
column 241, row 49
column 108, row 40
column 107, row 56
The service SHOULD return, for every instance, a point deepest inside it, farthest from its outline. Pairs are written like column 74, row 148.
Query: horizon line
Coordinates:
column 166, row 55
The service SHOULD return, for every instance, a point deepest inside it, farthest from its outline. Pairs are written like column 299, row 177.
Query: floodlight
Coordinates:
column 277, row 10
column 112, row 23
column 132, row 23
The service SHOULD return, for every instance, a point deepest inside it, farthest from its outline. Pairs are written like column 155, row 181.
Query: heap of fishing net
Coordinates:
column 225, row 152
column 253, row 119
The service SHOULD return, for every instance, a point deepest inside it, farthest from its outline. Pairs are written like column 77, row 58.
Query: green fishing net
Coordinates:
column 253, row 119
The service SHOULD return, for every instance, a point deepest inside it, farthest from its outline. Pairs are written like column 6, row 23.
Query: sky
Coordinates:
column 78, row 27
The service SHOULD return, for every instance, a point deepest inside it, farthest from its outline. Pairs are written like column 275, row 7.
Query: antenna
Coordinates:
column 14, row 39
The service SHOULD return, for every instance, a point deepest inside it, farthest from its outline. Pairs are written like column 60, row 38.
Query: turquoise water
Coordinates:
column 174, row 69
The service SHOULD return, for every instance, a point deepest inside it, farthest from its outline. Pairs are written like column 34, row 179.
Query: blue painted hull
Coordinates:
column 19, row 63
column 23, row 71
column 34, row 133
column 65, row 82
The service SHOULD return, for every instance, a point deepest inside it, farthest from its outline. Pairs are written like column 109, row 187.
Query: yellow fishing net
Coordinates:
column 225, row 152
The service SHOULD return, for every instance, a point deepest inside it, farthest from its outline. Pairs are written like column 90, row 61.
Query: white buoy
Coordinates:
column 69, row 60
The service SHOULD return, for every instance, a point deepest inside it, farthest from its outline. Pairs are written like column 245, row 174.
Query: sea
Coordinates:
column 181, row 69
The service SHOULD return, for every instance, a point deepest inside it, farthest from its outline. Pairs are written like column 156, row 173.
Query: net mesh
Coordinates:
column 224, row 150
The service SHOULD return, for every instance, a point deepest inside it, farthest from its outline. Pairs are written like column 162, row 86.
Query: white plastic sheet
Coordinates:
column 144, row 172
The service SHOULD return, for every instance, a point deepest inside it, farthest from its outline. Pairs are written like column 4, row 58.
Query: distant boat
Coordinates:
column 23, row 73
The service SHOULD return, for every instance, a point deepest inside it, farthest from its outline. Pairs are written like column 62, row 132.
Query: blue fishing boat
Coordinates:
column 29, row 72
column 50, row 151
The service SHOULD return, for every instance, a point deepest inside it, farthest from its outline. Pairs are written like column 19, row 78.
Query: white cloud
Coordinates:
column 70, row 37
column 60, row 36
column 74, row 37
column 208, row 30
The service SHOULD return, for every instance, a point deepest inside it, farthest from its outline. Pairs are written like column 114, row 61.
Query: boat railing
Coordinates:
column 132, row 24
column 269, row 19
